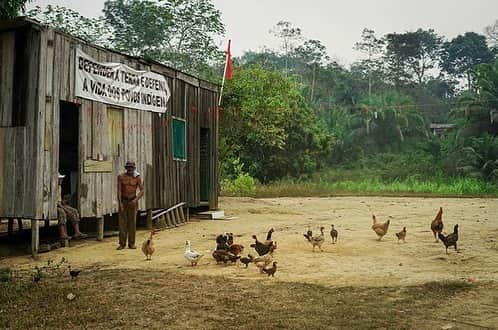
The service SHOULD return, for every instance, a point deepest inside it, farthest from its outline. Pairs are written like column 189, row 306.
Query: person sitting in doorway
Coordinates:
column 65, row 213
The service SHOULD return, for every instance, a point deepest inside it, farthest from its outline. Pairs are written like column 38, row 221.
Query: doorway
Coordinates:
column 68, row 149
column 204, row 175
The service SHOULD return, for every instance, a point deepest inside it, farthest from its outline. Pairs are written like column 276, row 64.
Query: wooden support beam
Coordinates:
column 182, row 215
column 149, row 219
column 100, row 228
column 35, row 238
column 169, row 220
column 19, row 225
column 10, row 227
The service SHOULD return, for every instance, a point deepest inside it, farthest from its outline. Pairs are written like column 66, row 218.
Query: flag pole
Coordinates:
column 224, row 73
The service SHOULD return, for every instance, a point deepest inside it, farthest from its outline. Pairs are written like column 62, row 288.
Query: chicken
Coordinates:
column 236, row 249
column 261, row 248
column 317, row 240
column 334, row 234
column 380, row 228
column 224, row 256
column 148, row 247
column 268, row 236
column 262, row 261
column 247, row 260
column 450, row 240
column 437, row 224
column 192, row 256
column 401, row 235
column 272, row 270
column 73, row 272
column 38, row 275
column 222, row 242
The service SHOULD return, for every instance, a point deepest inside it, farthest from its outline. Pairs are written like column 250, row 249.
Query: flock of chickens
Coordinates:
column 229, row 252
column 436, row 226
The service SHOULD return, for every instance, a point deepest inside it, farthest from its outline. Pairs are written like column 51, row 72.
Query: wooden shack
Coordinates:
column 46, row 128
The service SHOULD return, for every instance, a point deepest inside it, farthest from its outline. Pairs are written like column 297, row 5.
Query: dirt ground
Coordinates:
column 359, row 275
column 358, row 259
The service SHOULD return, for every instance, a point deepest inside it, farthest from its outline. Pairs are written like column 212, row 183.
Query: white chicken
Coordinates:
column 192, row 256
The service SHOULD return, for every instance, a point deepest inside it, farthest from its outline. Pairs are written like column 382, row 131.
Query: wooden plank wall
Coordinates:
column 19, row 74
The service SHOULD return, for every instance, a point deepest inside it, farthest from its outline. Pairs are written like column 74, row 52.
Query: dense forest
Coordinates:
column 293, row 115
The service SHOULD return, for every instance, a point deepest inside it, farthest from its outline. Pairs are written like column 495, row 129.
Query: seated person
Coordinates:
column 66, row 212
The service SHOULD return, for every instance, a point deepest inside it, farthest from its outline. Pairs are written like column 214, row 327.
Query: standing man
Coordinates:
column 128, row 183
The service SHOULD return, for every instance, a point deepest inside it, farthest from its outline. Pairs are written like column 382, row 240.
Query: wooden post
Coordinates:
column 19, row 225
column 10, row 226
column 188, row 214
column 35, row 238
column 149, row 219
column 100, row 228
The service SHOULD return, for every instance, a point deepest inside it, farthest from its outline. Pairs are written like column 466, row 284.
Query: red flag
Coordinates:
column 229, row 65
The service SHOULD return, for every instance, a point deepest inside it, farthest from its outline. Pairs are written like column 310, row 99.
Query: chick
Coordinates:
column 247, row 260
column 401, row 235
column 272, row 270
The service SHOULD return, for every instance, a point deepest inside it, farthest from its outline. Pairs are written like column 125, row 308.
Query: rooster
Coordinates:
column 261, row 248
column 380, row 228
column 268, row 236
column 437, row 224
column 317, row 240
column 450, row 240
column 148, row 247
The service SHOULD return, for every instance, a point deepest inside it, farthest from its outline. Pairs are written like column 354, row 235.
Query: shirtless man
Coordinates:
column 128, row 183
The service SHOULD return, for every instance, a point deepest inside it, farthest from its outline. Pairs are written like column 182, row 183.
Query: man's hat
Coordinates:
column 130, row 163
column 61, row 176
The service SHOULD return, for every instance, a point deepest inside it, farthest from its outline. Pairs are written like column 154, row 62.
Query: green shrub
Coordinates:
column 242, row 185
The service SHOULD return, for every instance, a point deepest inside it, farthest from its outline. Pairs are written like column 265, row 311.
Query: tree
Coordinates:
column 289, row 36
column 12, row 8
column 267, row 124
column 411, row 55
column 93, row 30
column 180, row 33
column 492, row 33
column 385, row 120
column 463, row 53
column 314, row 54
column 371, row 46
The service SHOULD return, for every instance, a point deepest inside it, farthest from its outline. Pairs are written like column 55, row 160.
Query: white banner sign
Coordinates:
column 118, row 84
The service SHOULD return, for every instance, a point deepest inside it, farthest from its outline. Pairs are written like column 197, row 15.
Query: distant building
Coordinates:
column 441, row 129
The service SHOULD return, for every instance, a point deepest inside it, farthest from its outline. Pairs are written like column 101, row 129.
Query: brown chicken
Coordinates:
column 148, row 247
column 224, row 256
column 334, row 234
column 437, row 224
column 380, row 228
column 401, row 235
column 272, row 270
column 315, row 240
column 236, row 249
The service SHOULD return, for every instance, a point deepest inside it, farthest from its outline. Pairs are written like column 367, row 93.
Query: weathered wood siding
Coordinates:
column 29, row 154
column 20, row 56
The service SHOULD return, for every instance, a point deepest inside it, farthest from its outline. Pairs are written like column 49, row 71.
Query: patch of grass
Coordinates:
column 156, row 299
column 354, row 182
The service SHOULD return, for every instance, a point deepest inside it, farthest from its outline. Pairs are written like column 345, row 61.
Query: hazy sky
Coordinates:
column 338, row 24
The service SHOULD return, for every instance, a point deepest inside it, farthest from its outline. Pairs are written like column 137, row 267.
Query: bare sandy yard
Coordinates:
column 358, row 259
